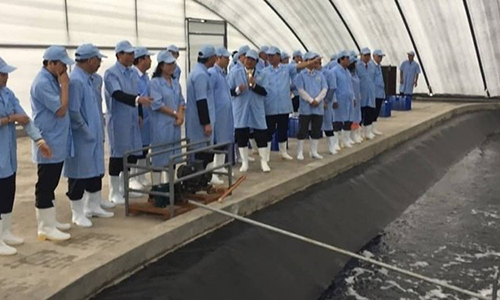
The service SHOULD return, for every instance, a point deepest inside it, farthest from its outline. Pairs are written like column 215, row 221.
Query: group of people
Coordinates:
column 247, row 99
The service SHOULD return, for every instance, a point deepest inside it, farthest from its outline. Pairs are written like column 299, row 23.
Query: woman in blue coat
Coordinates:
column 167, row 111
column 356, row 109
column 11, row 113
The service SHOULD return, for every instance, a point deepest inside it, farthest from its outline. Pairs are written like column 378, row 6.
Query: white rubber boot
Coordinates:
column 283, row 152
column 374, row 129
column 337, row 136
column 93, row 206
column 348, row 137
column 368, row 132
column 78, row 214
column 244, row 158
column 331, row 145
column 345, row 140
column 253, row 144
column 143, row 179
column 4, row 248
column 134, row 183
column 263, row 159
column 362, row 131
column 215, row 178
column 156, row 177
column 357, row 135
column 61, row 226
column 7, row 235
column 105, row 203
column 268, row 152
column 300, row 149
column 115, row 195
column 46, row 226
column 314, row 149
column 221, row 159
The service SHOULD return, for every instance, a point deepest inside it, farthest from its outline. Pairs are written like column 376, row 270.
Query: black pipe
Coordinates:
column 476, row 47
column 414, row 46
column 286, row 23
column 345, row 24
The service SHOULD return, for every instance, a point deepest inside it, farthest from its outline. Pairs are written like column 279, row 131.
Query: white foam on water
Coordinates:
column 384, row 271
column 420, row 264
column 392, row 284
column 488, row 253
column 368, row 254
column 435, row 294
column 440, row 249
column 487, row 214
column 451, row 263
column 352, row 292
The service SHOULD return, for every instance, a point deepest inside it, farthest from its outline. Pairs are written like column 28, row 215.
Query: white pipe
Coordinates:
column 339, row 250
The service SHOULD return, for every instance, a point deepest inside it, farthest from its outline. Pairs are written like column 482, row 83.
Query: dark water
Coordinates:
column 443, row 182
column 451, row 233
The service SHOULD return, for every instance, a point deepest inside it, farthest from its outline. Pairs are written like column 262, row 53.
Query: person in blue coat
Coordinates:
column 85, row 168
column 263, row 59
column 248, row 91
column 285, row 58
column 297, row 57
column 224, row 123
column 49, row 104
column 12, row 114
column 122, row 116
column 378, row 55
column 366, row 73
column 312, row 87
column 278, row 102
column 344, row 100
column 200, row 106
column 166, row 112
column 142, row 63
column 239, row 59
column 408, row 76
column 356, row 111
column 174, row 50
column 328, row 115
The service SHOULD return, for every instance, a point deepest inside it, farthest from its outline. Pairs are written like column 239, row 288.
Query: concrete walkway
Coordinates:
column 113, row 248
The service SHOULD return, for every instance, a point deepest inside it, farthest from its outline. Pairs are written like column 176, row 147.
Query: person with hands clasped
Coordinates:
column 12, row 114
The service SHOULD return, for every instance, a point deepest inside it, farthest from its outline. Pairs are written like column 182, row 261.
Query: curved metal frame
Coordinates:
column 286, row 24
column 345, row 24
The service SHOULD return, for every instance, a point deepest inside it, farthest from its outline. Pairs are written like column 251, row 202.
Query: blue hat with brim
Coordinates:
column 378, row 52
column 284, row 55
column 333, row 57
column 173, row 48
column 311, row 55
column 124, row 46
column 342, row 53
column 206, row 51
column 5, row 68
column 411, row 53
column 297, row 53
column 222, row 52
column 142, row 51
column 87, row 51
column 166, row 57
column 365, row 51
column 57, row 53
column 252, row 54
column 243, row 50
column 264, row 49
column 273, row 51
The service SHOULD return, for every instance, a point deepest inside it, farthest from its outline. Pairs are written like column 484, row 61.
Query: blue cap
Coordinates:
column 365, row 51
column 59, row 53
column 222, row 52
column 273, row 51
column 124, row 46
column 173, row 48
column 264, row 49
column 5, row 68
column 296, row 53
column 252, row 54
column 284, row 55
column 310, row 55
column 342, row 53
column 353, row 59
column 166, row 57
column 236, row 55
column 142, row 51
column 87, row 51
column 378, row 52
column 411, row 53
column 206, row 51
column 333, row 56
column 243, row 50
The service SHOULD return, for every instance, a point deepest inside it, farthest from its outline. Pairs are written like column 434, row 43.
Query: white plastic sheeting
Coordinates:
column 440, row 30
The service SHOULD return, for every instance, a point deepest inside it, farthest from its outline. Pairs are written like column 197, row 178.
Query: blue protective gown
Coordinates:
column 313, row 82
column 344, row 95
column 224, row 123
column 9, row 105
column 378, row 81
column 198, row 88
column 122, row 119
column 248, row 107
column 331, row 81
column 261, row 64
column 410, row 71
column 356, row 110
column 45, row 102
column 293, row 89
column 163, row 128
column 86, row 128
column 279, row 79
column 143, row 85
column 366, row 74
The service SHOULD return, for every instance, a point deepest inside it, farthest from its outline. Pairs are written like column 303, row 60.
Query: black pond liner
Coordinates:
column 240, row 262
